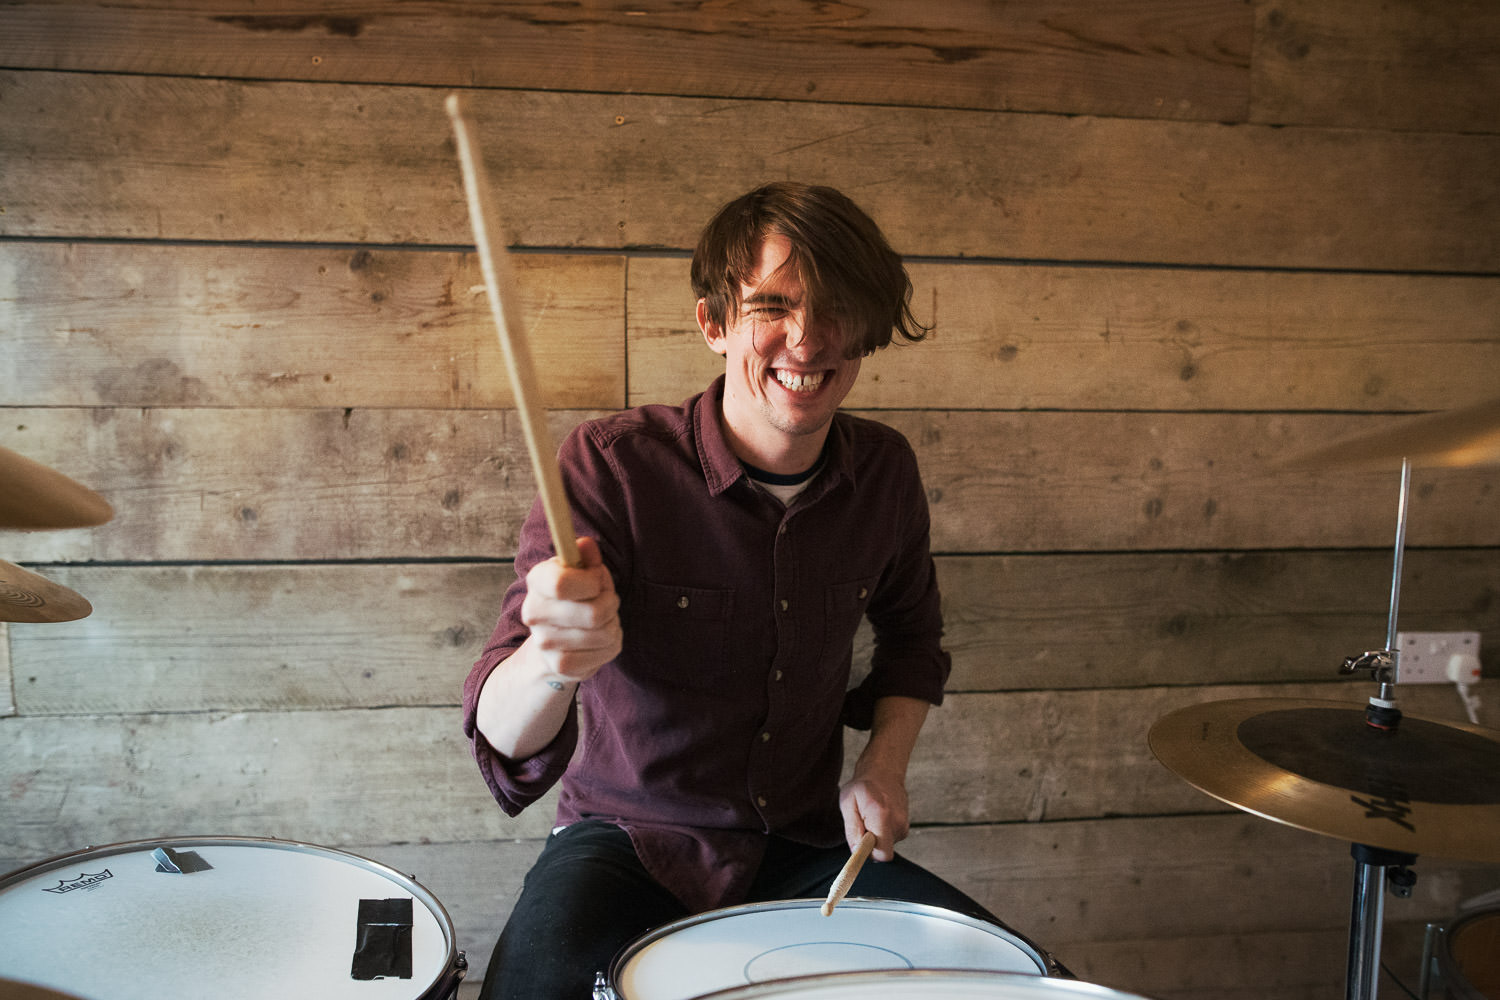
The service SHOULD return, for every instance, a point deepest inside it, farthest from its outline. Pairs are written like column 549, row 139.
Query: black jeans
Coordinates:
column 588, row 896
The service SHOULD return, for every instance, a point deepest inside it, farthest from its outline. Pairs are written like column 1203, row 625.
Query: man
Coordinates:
column 687, row 684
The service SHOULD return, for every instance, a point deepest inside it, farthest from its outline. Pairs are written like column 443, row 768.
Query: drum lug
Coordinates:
column 602, row 989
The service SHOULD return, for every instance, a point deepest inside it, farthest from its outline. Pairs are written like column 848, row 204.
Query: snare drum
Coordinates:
column 923, row 984
column 228, row 917
column 764, row 942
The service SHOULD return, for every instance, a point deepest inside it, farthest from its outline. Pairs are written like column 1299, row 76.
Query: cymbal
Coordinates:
column 1424, row 788
column 26, row 597
column 1465, row 437
column 32, row 497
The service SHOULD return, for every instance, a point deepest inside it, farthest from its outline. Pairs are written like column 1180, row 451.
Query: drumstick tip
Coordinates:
column 454, row 103
column 845, row 880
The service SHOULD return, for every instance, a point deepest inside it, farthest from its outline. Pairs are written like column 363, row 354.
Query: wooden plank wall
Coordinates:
column 1165, row 243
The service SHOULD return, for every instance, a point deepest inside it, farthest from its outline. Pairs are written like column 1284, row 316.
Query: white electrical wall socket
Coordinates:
column 1438, row 657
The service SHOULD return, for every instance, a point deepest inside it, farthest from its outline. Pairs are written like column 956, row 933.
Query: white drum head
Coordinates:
column 765, row 942
column 924, row 984
column 252, row 919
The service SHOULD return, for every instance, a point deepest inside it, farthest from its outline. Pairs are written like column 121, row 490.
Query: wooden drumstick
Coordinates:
column 500, row 286
column 842, row 884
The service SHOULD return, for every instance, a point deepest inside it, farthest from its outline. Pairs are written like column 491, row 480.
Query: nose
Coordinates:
column 809, row 334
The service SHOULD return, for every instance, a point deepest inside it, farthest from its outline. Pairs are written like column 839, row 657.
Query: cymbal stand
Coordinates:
column 1372, row 865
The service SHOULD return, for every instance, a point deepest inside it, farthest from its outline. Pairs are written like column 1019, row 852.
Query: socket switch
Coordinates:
column 1438, row 657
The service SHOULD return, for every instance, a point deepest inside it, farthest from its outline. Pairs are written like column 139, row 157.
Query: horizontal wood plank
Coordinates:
column 405, row 774
column 164, row 325
column 1186, row 60
column 250, row 327
column 1365, row 64
column 283, row 638
column 208, row 485
column 1099, row 338
column 212, row 485
column 1121, row 619
column 157, row 158
column 333, row 778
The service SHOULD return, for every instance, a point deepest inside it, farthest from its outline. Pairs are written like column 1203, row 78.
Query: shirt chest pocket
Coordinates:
column 844, row 607
column 678, row 633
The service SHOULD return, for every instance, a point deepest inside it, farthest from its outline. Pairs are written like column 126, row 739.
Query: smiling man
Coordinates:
column 690, row 683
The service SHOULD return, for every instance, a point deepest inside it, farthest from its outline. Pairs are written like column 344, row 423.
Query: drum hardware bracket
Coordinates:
column 1382, row 664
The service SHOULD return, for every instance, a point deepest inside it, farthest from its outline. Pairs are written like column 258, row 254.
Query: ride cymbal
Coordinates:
column 1466, row 437
column 26, row 597
column 1424, row 787
column 33, row 497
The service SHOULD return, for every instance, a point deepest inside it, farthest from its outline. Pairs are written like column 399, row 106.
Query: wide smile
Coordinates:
column 799, row 381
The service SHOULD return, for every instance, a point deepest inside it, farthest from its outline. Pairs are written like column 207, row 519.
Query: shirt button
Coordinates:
column 682, row 601
column 863, row 593
column 778, row 675
column 785, row 604
column 765, row 737
column 760, row 800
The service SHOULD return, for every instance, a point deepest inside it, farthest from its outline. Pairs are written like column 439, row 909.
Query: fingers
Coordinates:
column 573, row 613
column 880, row 809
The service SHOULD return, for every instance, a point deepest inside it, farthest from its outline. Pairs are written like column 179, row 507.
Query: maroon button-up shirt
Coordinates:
column 721, row 720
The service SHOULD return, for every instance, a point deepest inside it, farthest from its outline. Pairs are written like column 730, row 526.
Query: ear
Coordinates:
column 713, row 333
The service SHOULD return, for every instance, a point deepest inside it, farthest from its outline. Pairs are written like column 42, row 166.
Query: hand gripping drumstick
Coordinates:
column 500, row 287
column 842, row 884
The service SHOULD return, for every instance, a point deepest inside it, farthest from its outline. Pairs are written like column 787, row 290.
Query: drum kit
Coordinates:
column 242, row 917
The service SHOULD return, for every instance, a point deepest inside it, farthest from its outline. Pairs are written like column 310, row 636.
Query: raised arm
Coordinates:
column 573, row 615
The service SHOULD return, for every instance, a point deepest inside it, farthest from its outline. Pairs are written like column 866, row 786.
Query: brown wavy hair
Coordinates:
column 846, row 267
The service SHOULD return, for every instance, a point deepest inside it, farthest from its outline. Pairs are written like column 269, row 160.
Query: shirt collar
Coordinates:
column 722, row 468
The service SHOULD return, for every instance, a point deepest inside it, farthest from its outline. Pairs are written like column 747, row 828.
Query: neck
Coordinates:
column 788, row 459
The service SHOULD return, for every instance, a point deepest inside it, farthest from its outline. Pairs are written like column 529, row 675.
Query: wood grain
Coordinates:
column 399, row 774
column 1104, row 338
column 1185, row 59
column 1370, row 65
column 159, row 325
column 330, row 636
column 91, row 324
column 210, row 485
column 182, row 159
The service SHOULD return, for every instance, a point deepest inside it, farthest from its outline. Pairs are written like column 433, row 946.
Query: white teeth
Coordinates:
column 800, row 383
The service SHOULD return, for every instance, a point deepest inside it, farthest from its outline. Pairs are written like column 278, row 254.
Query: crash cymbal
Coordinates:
column 26, row 597
column 33, row 497
column 1425, row 787
column 1466, row 437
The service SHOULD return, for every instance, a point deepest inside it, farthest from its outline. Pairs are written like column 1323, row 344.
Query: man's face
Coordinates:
column 785, row 372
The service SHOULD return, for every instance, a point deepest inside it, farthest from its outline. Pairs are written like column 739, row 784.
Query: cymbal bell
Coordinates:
column 1464, row 437
column 27, row 597
column 1425, row 787
column 34, row 497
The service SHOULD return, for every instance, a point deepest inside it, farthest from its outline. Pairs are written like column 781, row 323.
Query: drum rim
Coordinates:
column 452, row 964
column 1066, row 987
column 617, row 967
column 1449, row 962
